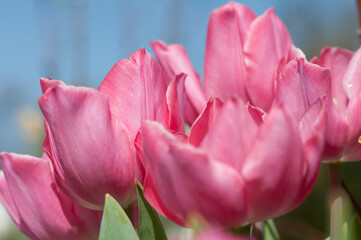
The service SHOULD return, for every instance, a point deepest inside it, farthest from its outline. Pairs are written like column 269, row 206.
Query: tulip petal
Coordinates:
column 337, row 59
column 136, row 90
column 176, row 99
column 224, row 72
column 153, row 198
column 180, row 172
column 257, row 114
column 313, row 134
column 273, row 169
column 204, row 122
column 175, row 60
column 267, row 43
column 352, row 150
column 34, row 194
column 232, row 134
column 87, row 139
column 46, row 83
column 302, row 84
column 295, row 53
column 8, row 202
column 351, row 81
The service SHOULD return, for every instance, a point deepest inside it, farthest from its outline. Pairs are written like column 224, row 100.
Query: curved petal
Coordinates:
column 8, row 202
column 232, row 134
column 204, row 122
column 256, row 113
column 153, row 198
column 337, row 59
column 191, row 183
column 352, row 151
column 273, row 169
column 301, row 84
column 87, row 139
column 313, row 134
column 351, row 81
column 40, row 205
column 176, row 100
column 175, row 60
column 224, row 73
column 295, row 53
column 136, row 90
column 46, row 83
column 267, row 43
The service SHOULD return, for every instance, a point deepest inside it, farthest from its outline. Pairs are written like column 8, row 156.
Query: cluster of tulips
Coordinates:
column 258, row 130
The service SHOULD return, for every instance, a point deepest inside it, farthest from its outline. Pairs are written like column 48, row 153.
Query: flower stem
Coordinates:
column 336, row 202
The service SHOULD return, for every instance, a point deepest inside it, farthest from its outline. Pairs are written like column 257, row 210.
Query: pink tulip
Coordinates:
column 37, row 206
column 90, row 133
column 244, row 56
column 240, row 165
column 344, row 125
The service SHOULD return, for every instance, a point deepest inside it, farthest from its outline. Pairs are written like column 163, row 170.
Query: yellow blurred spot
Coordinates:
column 335, row 102
column 359, row 139
column 31, row 124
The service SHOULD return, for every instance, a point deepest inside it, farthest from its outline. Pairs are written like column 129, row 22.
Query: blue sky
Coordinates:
column 34, row 32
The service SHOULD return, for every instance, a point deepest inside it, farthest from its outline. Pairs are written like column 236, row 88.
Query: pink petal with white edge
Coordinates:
column 352, row 151
column 337, row 59
column 273, row 169
column 191, row 183
column 175, row 60
column 352, row 78
column 87, row 139
column 40, row 206
column 136, row 90
column 224, row 72
column 204, row 122
column 267, row 43
column 176, row 100
column 232, row 134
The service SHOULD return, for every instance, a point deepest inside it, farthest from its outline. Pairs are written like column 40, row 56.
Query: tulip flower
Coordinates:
column 344, row 125
column 90, row 133
column 240, row 164
column 244, row 56
column 37, row 206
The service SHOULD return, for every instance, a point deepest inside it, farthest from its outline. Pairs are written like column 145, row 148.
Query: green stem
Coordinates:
column 336, row 202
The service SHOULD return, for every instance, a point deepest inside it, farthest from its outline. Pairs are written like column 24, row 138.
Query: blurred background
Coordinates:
column 78, row 41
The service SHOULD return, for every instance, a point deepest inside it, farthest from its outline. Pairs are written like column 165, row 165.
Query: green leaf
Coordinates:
column 345, row 230
column 150, row 227
column 270, row 231
column 355, row 227
column 115, row 222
